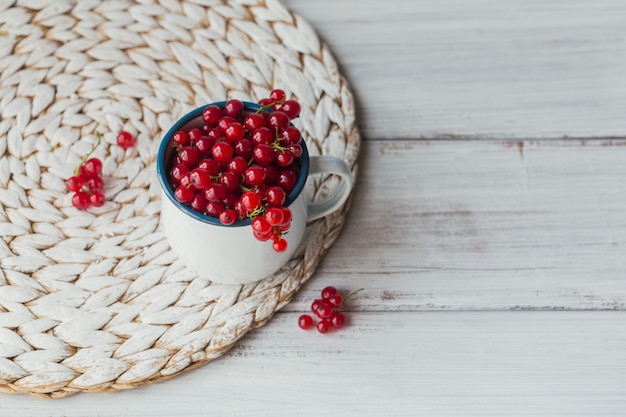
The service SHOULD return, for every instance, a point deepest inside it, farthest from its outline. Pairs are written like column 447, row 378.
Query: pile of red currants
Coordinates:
column 240, row 164
column 327, row 310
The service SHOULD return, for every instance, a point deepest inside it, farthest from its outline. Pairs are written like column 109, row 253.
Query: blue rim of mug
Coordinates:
column 165, row 151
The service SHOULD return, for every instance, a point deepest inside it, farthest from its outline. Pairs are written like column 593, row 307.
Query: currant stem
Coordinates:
column 256, row 212
column 355, row 292
column 93, row 148
column 269, row 107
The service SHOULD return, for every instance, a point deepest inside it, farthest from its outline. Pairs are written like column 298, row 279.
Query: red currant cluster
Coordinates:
column 326, row 309
column 87, row 183
column 241, row 164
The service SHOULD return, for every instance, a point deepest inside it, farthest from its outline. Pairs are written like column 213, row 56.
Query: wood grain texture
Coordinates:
column 488, row 68
column 484, row 225
column 393, row 364
column 494, row 270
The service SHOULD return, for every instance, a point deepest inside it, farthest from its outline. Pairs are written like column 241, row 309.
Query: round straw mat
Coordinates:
column 95, row 300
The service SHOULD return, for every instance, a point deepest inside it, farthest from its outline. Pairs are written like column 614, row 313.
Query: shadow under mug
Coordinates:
column 231, row 254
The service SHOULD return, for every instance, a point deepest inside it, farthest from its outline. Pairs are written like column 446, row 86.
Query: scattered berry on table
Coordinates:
column 324, row 326
column 305, row 321
column 328, row 292
column 327, row 310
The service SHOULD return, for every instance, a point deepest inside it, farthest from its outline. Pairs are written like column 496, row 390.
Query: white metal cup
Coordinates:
column 231, row 254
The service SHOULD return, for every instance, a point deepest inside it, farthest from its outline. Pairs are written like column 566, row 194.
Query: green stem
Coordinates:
column 93, row 148
column 257, row 212
column 355, row 292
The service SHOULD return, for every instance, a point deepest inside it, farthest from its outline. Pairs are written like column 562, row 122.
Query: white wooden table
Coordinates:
column 488, row 228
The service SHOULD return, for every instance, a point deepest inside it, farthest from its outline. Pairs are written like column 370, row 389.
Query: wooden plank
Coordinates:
column 490, row 68
column 436, row 364
column 475, row 225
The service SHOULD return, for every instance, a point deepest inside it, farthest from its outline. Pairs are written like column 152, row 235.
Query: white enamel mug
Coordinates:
column 231, row 254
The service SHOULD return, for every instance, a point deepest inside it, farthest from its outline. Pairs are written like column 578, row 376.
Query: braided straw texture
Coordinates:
column 95, row 300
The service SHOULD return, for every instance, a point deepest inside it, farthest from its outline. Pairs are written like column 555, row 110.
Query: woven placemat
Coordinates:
column 95, row 300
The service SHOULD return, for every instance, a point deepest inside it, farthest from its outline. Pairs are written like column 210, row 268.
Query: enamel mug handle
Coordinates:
column 329, row 165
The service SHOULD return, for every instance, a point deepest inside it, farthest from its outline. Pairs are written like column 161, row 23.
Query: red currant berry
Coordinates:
column 284, row 159
column 230, row 180
column 263, row 237
column 324, row 310
column 296, row 150
column 275, row 196
column 74, row 183
column 228, row 217
column 336, row 300
column 250, row 200
column 210, row 166
column 291, row 108
column 240, row 209
column 231, row 198
column 198, row 203
column 315, row 305
column 95, row 184
column 80, row 200
column 194, row 134
column 177, row 172
column 263, row 135
column 189, row 156
column 214, row 208
column 215, row 133
column 263, row 154
column 204, row 145
column 93, row 166
column 291, row 135
column 200, row 178
column 254, row 121
column 224, row 122
column 278, row 120
column 338, row 319
column 215, row 192
column 222, row 152
column 185, row 180
column 277, row 95
column 287, row 180
column 279, row 245
column 324, row 326
column 328, row 292
column 233, row 108
column 235, row 132
column 237, row 165
column 211, row 115
column 284, row 225
column 181, row 138
column 83, row 173
column 274, row 216
column 266, row 102
column 183, row 194
column 244, row 148
column 305, row 321
column 260, row 225
column 97, row 199
column 125, row 140
column 255, row 175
